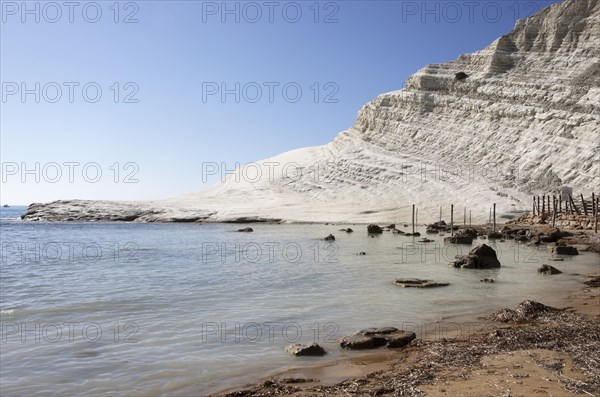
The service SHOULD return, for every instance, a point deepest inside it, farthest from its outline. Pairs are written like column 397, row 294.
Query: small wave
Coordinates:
column 7, row 312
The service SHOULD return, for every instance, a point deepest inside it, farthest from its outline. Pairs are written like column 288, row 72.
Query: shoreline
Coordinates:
column 368, row 372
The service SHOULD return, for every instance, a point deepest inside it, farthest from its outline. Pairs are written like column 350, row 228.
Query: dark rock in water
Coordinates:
column 425, row 240
column 431, row 229
column 375, row 337
column 361, row 253
column 459, row 239
column 419, row 283
column 494, row 235
column 374, row 229
column 553, row 235
column 349, row 230
column 556, row 259
column 362, row 342
column 416, row 234
column 565, row 250
column 594, row 282
column 469, row 232
column 487, row 280
column 482, row 257
column 246, row 230
column 521, row 238
column 331, row 237
column 298, row 349
column 548, row 270
column 392, row 226
column 399, row 339
column 375, row 331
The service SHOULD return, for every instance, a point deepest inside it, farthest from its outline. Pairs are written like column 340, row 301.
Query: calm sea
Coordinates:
column 178, row 309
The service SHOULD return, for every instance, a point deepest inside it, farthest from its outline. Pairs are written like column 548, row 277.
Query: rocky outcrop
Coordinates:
column 298, row 349
column 374, row 229
column 375, row 337
column 565, row 250
column 519, row 117
column 482, row 257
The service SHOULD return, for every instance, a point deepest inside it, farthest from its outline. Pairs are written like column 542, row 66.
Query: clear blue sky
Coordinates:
column 179, row 49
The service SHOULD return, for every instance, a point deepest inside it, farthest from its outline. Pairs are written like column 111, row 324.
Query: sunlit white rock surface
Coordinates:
column 525, row 120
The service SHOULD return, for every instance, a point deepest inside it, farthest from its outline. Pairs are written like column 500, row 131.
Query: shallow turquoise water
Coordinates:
column 179, row 309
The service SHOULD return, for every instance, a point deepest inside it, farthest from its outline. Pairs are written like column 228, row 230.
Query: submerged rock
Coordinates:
column 565, row 250
column 246, row 230
column 419, row 283
column 371, row 338
column 362, row 342
column 374, row 229
column 548, row 270
column 298, row 349
column 331, row 237
column 459, row 239
column 494, row 235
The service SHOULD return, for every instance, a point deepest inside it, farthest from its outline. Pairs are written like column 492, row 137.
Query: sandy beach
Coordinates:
column 530, row 350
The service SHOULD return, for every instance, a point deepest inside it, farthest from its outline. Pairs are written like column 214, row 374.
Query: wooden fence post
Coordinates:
column 413, row 219
column 452, row 219
column 554, row 212
column 573, row 206
column 585, row 211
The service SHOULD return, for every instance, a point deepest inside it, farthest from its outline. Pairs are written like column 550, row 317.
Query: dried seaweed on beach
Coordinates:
column 537, row 327
column 526, row 311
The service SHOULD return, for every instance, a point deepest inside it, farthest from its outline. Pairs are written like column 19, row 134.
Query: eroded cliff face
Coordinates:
column 521, row 116
column 529, row 106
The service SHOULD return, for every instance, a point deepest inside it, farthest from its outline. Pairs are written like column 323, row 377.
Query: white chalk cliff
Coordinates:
column 521, row 116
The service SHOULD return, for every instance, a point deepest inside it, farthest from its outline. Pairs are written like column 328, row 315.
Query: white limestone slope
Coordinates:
column 525, row 120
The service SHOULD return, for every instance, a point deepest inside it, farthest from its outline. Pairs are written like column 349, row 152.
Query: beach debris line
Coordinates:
column 419, row 283
column 527, row 310
column 371, row 338
column 298, row 350
column 481, row 257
